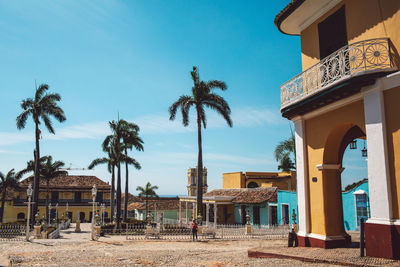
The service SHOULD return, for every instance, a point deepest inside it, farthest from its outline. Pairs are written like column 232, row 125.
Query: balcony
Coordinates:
column 354, row 60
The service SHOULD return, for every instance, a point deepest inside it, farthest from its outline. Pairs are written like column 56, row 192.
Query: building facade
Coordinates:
column 282, row 180
column 69, row 195
column 349, row 89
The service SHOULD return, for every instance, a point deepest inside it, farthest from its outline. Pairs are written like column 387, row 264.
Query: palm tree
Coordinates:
column 48, row 169
column 110, row 161
column 10, row 180
column 130, row 138
column 202, row 96
column 41, row 107
column 284, row 152
column 147, row 191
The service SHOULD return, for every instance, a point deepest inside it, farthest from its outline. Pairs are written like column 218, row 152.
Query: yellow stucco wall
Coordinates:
column 233, row 180
column 327, row 131
column 392, row 111
column 365, row 19
column 280, row 184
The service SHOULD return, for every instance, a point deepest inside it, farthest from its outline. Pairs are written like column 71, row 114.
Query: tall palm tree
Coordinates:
column 147, row 191
column 284, row 152
column 202, row 96
column 131, row 139
column 10, row 180
column 48, row 169
column 110, row 161
column 41, row 107
column 51, row 170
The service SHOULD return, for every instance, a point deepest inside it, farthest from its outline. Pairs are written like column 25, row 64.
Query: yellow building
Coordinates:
column 68, row 195
column 349, row 89
column 281, row 180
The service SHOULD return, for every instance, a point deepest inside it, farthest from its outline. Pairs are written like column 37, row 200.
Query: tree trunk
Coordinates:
column 47, row 198
column 112, row 197
column 3, row 201
column 36, row 180
column 119, row 196
column 199, row 169
column 147, row 208
column 126, row 188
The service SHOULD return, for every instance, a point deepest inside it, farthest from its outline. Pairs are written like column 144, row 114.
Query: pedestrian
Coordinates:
column 194, row 229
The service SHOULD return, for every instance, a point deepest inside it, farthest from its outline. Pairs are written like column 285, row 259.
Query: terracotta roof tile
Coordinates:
column 247, row 195
column 162, row 204
column 71, row 181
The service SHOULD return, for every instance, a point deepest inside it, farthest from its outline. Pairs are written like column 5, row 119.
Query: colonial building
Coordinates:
column 282, row 180
column 349, row 89
column 70, row 195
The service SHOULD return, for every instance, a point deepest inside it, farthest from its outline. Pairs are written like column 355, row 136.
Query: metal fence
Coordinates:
column 226, row 232
column 10, row 232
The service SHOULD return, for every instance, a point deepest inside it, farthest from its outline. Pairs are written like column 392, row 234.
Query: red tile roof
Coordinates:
column 247, row 195
column 71, row 182
column 162, row 204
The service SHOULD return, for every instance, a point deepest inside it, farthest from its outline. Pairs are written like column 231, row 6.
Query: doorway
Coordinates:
column 273, row 215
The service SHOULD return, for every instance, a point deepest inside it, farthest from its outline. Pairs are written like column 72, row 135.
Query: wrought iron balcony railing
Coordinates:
column 352, row 60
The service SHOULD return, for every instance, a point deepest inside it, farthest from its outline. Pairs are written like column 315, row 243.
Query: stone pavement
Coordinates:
column 339, row 256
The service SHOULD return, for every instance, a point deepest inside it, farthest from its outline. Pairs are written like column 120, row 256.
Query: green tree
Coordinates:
column 202, row 96
column 146, row 192
column 131, row 139
column 10, row 180
column 49, row 170
column 284, row 152
column 115, row 143
column 41, row 108
column 110, row 161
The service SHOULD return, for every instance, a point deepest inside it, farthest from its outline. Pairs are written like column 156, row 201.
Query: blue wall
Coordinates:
column 249, row 208
column 349, row 210
column 287, row 197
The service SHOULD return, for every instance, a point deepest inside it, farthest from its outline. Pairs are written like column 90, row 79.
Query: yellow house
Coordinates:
column 282, row 180
column 68, row 195
column 349, row 89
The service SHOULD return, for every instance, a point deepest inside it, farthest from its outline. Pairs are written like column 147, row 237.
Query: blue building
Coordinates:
column 355, row 206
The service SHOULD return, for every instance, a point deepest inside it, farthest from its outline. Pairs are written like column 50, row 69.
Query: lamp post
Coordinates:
column 66, row 210
column 94, row 193
column 57, row 213
column 103, row 207
column 29, row 194
column 49, row 212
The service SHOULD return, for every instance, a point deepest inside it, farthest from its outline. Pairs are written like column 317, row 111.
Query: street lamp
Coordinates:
column 29, row 194
column 49, row 212
column 94, row 193
column 57, row 213
column 66, row 210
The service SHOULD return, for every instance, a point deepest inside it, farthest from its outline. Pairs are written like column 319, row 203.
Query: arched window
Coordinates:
column 21, row 216
column 252, row 185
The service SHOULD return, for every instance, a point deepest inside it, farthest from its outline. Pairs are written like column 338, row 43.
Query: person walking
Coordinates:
column 194, row 229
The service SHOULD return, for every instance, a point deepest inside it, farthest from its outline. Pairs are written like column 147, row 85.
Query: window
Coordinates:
column 21, row 216
column 256, row 214
column 54, row 197
column 252, row 185
column 77, row 197
column 99, row 197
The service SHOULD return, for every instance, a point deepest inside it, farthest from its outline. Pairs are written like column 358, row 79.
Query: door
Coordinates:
column 243, row 212
column 256, row 215
column 361, row 208
column 285, row 213
column 54, row 197
column 273, row 212
column 82, row 216
column 332, row 33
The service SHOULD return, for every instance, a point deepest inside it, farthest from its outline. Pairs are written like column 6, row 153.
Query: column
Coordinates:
column 180, row 211
column 302, row 178
column 186, row 212
column 207, row 213
column 215, row 214
column 378, row 169
column 194, row 210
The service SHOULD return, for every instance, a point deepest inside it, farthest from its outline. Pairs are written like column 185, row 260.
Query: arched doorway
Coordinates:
column 332, row 167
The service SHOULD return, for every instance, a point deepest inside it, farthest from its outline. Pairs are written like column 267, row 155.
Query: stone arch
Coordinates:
column 331, row 168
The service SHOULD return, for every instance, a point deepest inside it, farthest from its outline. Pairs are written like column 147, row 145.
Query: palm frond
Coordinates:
column 22, row 118
column 40, row 91
column 48, row 123
column 98, row 161
column 216, row 84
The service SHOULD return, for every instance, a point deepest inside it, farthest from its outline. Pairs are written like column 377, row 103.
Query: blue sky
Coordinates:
column 134, row 58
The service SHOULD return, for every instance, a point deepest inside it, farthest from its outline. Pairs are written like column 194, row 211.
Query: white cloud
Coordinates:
column 151, row 124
